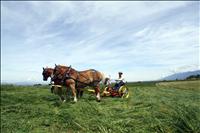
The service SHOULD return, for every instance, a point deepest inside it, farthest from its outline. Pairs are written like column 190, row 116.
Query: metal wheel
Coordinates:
column 123, row 92
column 105, row 92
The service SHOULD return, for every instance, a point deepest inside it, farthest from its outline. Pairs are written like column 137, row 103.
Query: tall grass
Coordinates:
column 150, row 108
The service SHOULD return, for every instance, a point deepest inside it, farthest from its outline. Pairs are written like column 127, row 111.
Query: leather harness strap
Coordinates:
column 67, row 76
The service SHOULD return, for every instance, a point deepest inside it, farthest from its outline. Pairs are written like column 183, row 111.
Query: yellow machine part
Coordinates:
column 123, row 92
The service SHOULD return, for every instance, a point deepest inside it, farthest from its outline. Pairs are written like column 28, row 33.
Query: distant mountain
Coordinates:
column 181, row 75
column 25, row 83
column 22, row 83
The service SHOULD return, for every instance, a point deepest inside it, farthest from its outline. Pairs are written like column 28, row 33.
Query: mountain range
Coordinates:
column 181, row 75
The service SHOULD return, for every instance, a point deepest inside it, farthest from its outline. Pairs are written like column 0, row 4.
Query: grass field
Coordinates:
column 165, row 107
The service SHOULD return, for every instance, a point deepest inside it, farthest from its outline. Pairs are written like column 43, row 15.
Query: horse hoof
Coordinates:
column 98, row 100
column 75, row 101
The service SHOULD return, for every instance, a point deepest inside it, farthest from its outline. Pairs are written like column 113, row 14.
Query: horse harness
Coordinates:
column 77, row 80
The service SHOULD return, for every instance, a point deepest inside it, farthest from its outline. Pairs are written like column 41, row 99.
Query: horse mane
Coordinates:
column 62, row 66
column 48, row 68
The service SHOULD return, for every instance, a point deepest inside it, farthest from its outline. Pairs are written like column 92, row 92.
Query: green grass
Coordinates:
column 191, row 85
column 151, row 108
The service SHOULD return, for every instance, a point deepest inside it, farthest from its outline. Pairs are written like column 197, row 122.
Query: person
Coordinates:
column 119, row 82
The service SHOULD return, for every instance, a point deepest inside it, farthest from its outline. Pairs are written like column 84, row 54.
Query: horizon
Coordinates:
column 112, row 80
column 145, row 40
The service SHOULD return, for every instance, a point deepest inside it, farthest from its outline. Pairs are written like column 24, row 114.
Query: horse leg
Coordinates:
column 60, row 93
column 97, row 91
column 81, row 93
column 62, row 98
column 78, row 92
column 72, row 86
column 67, row 93
column 52, row 89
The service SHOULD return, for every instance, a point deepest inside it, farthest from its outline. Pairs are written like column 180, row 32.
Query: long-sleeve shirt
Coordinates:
column 120, row 79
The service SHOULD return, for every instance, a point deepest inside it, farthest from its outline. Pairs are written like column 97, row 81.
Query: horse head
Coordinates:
column 47, row 72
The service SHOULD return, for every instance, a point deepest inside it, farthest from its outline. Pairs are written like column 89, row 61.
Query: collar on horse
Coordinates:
column 68, row 72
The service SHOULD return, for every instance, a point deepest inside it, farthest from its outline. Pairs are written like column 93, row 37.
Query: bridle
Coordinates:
column 46, row 74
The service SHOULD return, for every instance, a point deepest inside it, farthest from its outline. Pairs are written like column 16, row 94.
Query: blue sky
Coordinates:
column 145, row 40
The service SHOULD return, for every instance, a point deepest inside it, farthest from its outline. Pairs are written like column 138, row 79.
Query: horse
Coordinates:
column 56, row 86
column 79, row 79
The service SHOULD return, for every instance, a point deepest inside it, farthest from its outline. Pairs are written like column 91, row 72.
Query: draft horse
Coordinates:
column 56, row 86
column 78, row 79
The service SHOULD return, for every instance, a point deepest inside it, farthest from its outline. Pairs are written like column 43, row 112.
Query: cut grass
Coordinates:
column 150, row 108
column 190, row 85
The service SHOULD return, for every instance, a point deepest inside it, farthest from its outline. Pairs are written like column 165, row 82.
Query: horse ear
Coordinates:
column 43, row 68
column 55, row 65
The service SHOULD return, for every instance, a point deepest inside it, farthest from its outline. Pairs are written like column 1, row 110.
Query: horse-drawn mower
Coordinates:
column 108, row 91
column 75, row 80
column 112, row 91
column 121, row 91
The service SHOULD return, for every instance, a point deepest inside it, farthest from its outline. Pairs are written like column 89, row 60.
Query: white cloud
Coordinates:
column 134, row 37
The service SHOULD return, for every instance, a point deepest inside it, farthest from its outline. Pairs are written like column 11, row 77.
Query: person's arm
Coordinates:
column 120, row 80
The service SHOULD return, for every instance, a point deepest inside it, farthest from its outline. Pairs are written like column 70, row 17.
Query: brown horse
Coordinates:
column 78, row 79
column 56, row 84
column 55, row 88
column 47, row 72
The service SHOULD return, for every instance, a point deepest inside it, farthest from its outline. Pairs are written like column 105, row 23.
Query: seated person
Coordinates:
column 119, row 82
